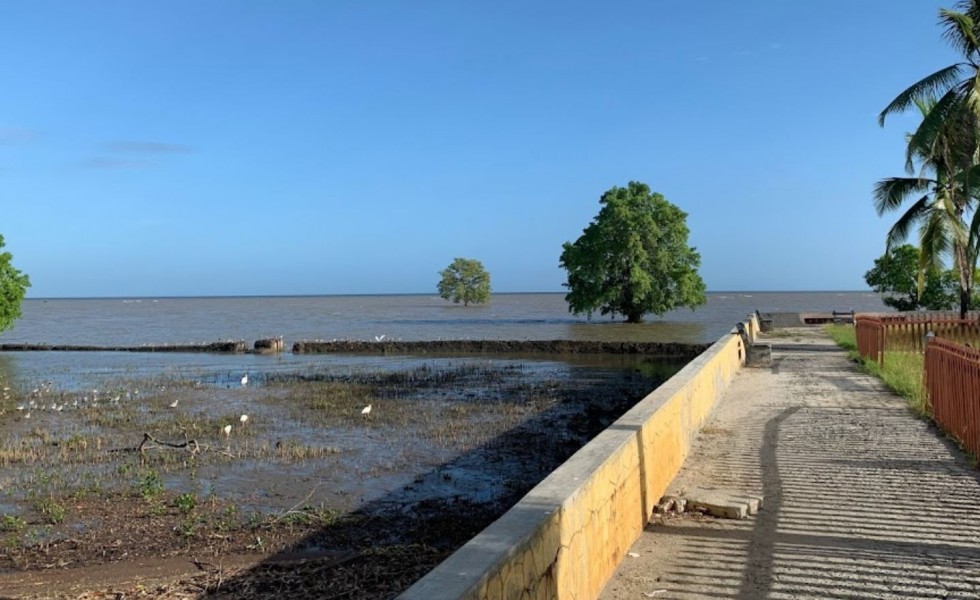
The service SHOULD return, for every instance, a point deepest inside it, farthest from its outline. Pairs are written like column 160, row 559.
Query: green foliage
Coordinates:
column 466, row 281
column 843, row 335
column 185, row 503
column 941, row 155
column 896, row 276
column 13, row 286
column 53, row 511
column 150, row 485
column 902, row 371
column 633, row 258
column 12, row 523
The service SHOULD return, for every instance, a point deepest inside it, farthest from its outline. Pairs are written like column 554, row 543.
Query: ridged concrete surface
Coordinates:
column 861, row 498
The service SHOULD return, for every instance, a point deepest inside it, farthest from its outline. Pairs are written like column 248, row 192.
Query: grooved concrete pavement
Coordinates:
column 861, row 499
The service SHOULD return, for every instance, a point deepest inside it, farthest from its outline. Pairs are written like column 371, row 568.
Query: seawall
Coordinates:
column 565, row 538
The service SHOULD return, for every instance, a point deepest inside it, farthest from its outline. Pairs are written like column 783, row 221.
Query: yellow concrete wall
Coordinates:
column 565, row 538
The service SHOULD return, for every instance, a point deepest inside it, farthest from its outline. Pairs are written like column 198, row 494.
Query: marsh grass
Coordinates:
column 70, row 470
column 902, row 371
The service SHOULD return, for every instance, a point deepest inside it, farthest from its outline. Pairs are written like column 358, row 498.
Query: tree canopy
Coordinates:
column 895, row 275
column 465, row 280
column 13, row 286
column 633, row 258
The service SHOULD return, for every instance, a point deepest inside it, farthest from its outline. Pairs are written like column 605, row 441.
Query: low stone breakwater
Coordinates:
column 391, row 347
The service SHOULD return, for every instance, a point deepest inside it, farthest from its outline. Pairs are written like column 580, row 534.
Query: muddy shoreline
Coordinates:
column 320, row 498
column 446, row 347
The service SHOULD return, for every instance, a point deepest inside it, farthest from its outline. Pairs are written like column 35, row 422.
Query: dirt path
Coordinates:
column 861, row 498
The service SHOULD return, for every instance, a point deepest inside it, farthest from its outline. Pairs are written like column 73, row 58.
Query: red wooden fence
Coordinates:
column 906, row 332
column 952, row 380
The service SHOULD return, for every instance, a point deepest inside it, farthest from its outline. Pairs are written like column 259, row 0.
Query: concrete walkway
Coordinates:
column 861, row 499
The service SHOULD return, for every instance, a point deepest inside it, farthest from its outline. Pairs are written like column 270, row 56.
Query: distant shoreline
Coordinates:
column 407, row 294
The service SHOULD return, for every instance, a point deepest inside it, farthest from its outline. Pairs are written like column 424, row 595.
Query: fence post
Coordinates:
column 929, row 337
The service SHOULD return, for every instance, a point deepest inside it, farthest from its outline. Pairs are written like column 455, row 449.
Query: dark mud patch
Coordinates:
column 445, row 450
column 500, row 347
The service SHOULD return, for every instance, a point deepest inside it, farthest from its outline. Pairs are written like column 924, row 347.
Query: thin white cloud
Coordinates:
column 10, row 135
column 145, row 147
column 110, row 163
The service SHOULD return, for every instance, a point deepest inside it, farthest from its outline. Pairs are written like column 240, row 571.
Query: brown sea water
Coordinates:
column 136, row 321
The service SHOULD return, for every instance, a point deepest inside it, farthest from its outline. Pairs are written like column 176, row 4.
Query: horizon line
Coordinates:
column 350, row 295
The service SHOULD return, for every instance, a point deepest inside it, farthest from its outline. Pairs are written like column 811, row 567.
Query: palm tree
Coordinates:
column 946, row 149
column 944, row 190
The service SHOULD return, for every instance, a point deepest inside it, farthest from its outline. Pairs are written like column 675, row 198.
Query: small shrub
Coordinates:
column 12, row 523
column 185, row 503
column 150, row 485
column 53, row 511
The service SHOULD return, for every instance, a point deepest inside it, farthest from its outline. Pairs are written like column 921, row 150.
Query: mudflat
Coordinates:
column 175, row 487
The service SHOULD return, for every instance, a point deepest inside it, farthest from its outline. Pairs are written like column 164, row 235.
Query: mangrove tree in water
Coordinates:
column 633, row 258
column 466, row 281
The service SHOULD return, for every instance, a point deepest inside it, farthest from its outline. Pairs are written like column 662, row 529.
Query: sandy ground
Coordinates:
column 861, row 498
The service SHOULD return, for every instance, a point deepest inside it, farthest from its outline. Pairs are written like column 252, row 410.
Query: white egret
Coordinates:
column 366, row 410
column 244, row 379
column 243, row 419
column 227, row 430
column 174, row 403
column 379, row 338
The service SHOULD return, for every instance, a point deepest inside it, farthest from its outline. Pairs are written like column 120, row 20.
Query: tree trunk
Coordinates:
column 634, row 317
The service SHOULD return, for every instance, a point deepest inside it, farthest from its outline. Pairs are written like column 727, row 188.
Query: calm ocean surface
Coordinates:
column 132, row 322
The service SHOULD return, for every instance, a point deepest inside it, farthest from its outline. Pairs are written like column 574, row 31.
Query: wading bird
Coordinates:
column 243, row 419
column 244, row 379
column 174, row 403
column 366, row 410
column 227, row 430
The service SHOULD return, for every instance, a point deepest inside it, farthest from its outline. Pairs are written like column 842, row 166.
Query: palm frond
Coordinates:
column 959, row 29
column 889, row 194
column 934, row 125
column 971, row 87
column 932, row 85
column 948, row 210
column 934, row 240
column 974, row 241
column 912, row 217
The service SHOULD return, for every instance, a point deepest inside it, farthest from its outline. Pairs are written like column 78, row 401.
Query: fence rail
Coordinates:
column 952, row 381
column 906, row 332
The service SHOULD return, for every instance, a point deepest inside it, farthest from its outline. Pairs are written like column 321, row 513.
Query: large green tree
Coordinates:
column 465, row 280
column 633, row 258
column 13, row 286
column 895, row 275
column 944, row 147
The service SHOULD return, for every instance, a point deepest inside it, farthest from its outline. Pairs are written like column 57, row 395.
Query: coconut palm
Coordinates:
column 944, row 190
column 945, row 148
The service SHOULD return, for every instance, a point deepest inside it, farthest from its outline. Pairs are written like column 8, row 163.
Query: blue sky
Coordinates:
column 330, row 147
